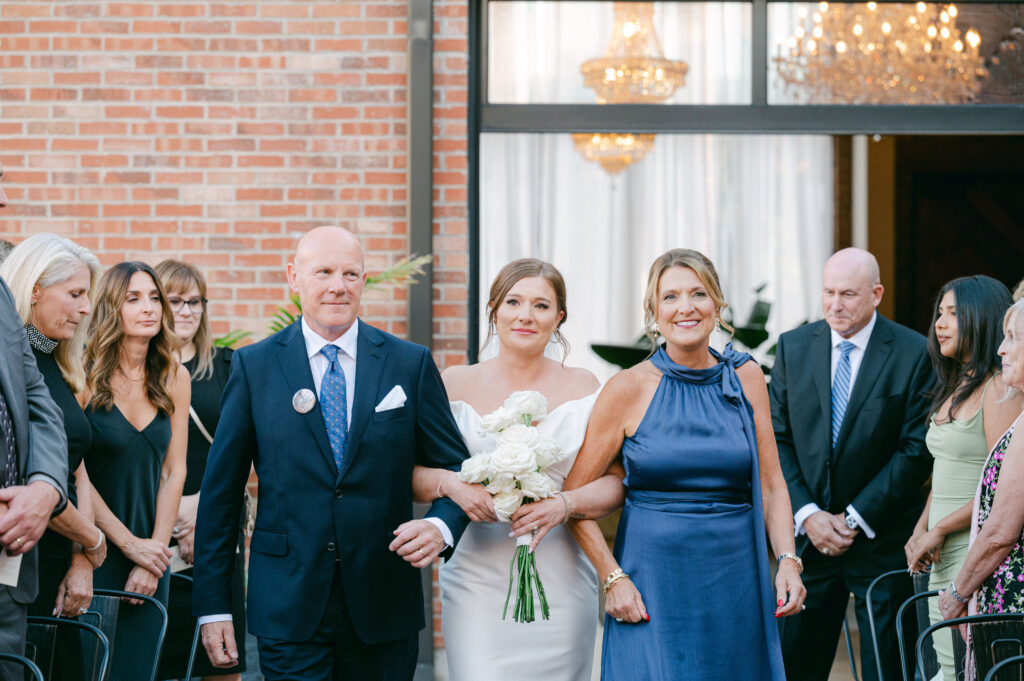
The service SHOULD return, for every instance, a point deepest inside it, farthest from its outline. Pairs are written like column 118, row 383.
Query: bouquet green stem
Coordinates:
column 524, row 575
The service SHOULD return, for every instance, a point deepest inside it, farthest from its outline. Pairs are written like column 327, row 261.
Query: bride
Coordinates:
column 525, row 310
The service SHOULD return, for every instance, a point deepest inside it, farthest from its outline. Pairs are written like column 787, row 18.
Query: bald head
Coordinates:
column 325, row 237
column 851, row 290
column 328, row 275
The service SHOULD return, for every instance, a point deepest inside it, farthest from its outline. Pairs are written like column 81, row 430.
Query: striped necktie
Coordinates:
column 8, row 446
column 841, row 389
column 334, row 403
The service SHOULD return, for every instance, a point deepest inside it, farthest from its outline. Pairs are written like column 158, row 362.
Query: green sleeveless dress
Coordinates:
column 960, row 449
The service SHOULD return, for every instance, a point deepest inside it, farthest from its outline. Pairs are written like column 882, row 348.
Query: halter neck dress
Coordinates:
column 692, row 536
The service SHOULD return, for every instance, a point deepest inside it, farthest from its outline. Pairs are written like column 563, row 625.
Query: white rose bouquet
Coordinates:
column 515, row 473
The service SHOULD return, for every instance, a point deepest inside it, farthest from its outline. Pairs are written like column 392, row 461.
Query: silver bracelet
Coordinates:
column 953, row 592
column 99, row 542
column 568, row 507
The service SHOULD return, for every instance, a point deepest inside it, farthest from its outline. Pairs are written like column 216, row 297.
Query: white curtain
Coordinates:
column 760, row 207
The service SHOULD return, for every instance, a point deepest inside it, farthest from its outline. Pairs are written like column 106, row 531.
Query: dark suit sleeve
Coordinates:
column 47, row 442
column 799, row 494
column 901, row 479
column 438, row 441
column 220, row 499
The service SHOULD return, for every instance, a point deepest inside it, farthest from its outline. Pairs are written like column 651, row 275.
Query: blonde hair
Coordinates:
column 178, row 277
column 1018, row 293
column 46, row 260
column 692, row 260
column 106, row 337
column 523, row 269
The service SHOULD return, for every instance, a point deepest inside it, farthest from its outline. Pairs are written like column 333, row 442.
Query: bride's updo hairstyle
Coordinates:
column 705, row 271
column 523, row 269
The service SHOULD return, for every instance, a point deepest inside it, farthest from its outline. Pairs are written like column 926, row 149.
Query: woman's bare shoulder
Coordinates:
column 458, row 378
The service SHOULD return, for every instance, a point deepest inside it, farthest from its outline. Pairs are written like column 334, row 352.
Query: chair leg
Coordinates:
column 849, row 647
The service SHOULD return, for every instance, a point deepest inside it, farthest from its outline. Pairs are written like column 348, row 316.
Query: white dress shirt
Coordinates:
column 347, row 344
column 860, row 344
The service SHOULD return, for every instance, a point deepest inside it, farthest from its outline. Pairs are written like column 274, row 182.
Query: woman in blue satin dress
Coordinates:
column 688, row 588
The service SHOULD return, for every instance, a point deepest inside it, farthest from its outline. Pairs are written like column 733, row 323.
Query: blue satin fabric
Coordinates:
column 692, row 536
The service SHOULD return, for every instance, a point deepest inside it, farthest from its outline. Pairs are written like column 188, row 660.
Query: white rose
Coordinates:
column 506, row 503
column 519, row 433
column 536, row 486
column 501, row 483
column 546, row 451
column 514, row 458
column 528, row 403
column 476, row 468
column 497, row 420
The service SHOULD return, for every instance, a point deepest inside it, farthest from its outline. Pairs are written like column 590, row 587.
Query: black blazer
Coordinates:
column 880, row 461
column 309, row 515
column 42, row 446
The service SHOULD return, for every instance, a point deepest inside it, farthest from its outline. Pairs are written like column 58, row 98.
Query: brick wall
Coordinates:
column 216, row 132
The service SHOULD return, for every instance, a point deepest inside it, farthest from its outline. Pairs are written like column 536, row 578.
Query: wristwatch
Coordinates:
column 851, row 522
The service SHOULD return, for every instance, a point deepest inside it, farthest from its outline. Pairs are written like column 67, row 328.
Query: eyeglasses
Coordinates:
column 196, row 305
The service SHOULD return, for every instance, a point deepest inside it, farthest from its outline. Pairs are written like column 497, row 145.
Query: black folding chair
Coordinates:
column 44, row 646
column 849, row 646
column 1010, row 669
column 195, row 630
column 993, row 638
column 26, row 665
column 907, row 633
column 917, row 583
column 104, row 613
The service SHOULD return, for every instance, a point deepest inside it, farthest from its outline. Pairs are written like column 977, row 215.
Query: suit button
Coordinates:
column 337, row 494
column 331, row 546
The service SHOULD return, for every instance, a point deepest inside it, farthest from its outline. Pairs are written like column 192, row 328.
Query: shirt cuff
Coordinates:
column 446, row 534
column 868, row 532
column 208, row 619
column 803, row 514
column 48, row 479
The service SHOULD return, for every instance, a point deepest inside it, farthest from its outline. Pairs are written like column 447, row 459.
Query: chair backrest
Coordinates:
column 53, row 641
column 1010, row 669
column 993, row 638
column 894, row 576
column 104, row 613
column 195, row 632
column 9, row 659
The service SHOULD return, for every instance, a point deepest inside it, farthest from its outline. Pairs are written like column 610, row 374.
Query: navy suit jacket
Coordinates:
column 311, row 515
column 880, row 461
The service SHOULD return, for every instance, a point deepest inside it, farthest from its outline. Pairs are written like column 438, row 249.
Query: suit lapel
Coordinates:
column 369, row 366
column 872, row 365
column 297, row 375
column 821, row 368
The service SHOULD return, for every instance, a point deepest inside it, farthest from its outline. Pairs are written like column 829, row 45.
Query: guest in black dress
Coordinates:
column 52, row 279
column 209, row 367
column 137, row 396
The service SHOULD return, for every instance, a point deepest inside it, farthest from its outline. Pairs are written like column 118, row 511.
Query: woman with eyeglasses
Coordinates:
column 209, row 367
column 137, row 396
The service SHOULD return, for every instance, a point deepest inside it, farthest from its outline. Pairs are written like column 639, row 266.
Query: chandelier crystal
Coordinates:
column 633, row 70
column 880, row 53
column 613, row 150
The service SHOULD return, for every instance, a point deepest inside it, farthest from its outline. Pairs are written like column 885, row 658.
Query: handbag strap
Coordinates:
column 199, row 424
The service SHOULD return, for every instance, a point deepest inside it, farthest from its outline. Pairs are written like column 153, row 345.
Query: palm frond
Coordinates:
column 231, row 338
column 404, row 271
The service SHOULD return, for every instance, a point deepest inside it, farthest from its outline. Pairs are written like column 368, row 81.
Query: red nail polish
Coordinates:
column 647, row 617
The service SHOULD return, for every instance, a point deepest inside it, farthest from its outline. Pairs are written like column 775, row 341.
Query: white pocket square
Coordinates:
column 393, row 400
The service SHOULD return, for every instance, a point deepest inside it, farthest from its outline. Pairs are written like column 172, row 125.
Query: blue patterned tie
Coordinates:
column 334, row 403
column 841, row 389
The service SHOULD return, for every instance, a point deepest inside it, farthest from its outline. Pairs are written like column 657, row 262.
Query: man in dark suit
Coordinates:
column 334, row 414
column 849, row 412
column 33, row 472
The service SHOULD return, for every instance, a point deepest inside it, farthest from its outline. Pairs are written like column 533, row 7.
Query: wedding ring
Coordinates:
column 535, row 527
column 83, row 610
column 826, row 551
column 19, row 541
column 618, row 619
column 803, row 607
column 420, row 551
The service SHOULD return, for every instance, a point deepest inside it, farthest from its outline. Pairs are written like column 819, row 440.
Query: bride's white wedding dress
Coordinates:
column 480, row 646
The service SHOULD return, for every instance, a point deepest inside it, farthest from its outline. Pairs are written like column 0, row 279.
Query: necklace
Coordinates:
column 38, row 341
column 130, row 378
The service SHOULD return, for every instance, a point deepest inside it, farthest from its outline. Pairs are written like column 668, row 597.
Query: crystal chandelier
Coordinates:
column 633, row 70
column 880, row 54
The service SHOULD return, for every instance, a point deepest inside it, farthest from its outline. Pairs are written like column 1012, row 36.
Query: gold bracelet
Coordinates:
column 616, row 575
column 793, row 557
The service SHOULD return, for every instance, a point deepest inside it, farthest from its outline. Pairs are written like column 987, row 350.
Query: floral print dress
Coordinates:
column 1003, row 591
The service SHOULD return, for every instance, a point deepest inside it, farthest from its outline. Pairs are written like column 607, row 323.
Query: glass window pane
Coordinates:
column 760, row 206
column 536, row 50
column 895, row 53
